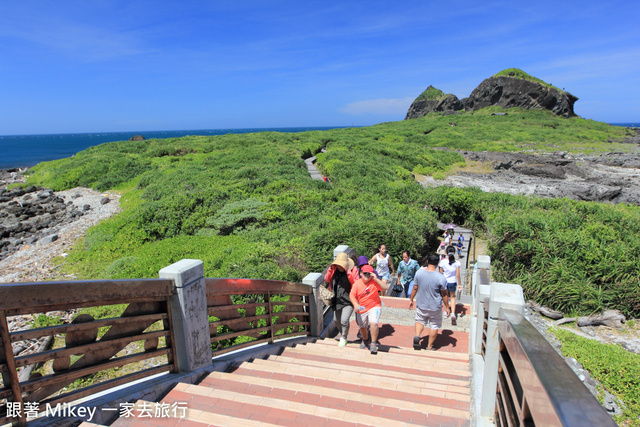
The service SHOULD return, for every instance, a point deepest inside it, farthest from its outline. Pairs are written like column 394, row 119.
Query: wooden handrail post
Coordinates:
column 189, row 314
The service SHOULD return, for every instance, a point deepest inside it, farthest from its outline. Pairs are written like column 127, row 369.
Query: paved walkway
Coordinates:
column 321, row 384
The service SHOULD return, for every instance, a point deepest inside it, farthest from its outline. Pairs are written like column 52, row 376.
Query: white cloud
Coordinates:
column 378, row 106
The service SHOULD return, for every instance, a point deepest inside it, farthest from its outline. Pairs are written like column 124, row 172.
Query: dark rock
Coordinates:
column 49, row 239
column 30, row 189
column 86, row 207
column 510, row 92
column 444, row 103
column 104, row 200
column 77, row 195
column 504, row 91
column 17, row 192
column 542, row 171
column 137, row 138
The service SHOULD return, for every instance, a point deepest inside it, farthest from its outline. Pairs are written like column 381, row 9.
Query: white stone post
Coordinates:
column 484, row 292
column 338, row 249
column 315, row 305
column 505, row 296
column 191, row 340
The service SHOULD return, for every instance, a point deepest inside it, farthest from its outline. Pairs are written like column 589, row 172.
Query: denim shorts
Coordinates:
column 452, row 287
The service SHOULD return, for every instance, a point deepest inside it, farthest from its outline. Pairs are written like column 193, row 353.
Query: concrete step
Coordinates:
column 192, row 417
column 363, row 383
column 282, row 406
column 362, row 375
column 322, row 384
column 407, row 351
column 393, row 362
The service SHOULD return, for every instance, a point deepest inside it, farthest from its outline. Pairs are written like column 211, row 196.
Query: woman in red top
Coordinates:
column 367, row 305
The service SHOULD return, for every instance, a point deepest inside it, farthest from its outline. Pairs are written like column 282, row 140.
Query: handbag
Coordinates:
column 398, row 288
column 326, row 296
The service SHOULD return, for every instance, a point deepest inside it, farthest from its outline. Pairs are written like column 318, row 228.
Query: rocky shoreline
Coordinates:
column 37, row 225
column 610, row 177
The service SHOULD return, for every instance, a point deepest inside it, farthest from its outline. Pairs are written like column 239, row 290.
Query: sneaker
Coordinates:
column 416, row 343
column 373, row 348
column 363, row 344
column 453, row 319
column 342, row 342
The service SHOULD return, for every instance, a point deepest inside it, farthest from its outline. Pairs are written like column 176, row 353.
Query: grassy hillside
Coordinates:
column 246, row 206
column 518, row 73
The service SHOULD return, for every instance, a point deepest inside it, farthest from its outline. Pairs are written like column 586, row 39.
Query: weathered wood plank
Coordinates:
column 87, row 348
column 61, row 329
column 55, row 294
column 73, row 374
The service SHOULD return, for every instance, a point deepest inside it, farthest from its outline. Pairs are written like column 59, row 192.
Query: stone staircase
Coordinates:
column 322, row 384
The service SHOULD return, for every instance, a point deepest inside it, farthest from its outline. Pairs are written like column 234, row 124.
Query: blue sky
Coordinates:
column 99, row 66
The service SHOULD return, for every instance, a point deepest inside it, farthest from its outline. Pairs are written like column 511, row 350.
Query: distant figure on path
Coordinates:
column 383, row 262
column 450, row 268
column 407, row 269
column 340, row 280
column 368, row 306
column 430, row 293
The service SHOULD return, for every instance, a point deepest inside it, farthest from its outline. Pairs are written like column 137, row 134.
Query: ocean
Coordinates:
column 17, row 151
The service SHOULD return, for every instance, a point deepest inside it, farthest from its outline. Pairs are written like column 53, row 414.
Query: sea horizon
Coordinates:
column 20, row 151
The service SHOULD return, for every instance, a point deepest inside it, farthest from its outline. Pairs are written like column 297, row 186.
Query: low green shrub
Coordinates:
column 617, row 369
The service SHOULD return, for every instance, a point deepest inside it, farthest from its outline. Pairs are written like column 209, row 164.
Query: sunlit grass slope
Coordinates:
column 246, row 206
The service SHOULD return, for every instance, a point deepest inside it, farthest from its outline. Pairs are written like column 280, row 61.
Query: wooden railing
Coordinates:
column 535, row 385
column 246, row 312
column 524, row 381
column 134, row 334
column 86, row 350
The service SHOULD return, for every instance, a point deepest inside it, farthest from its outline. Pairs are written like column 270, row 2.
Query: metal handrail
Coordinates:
column 535, row 385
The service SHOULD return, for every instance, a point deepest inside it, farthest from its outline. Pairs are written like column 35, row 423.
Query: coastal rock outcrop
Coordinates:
column 507, row 89
column 510, row 92
column 27, row 215
column 433, row 100
column 137, row 138
column 612, row 177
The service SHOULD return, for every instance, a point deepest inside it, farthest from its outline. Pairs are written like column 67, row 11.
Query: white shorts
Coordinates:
column 371, row 316
column 430, row 319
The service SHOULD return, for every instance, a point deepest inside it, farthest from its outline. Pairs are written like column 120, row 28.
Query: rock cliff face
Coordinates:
column 509, row 90
column 442, row 103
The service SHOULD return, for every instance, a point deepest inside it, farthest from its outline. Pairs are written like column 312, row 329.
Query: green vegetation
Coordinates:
column 244, row 204
column 431, row 93
column 617, row 369
column 518, row 73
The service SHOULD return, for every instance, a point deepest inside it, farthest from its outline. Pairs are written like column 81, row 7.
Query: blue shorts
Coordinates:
column 452, row 287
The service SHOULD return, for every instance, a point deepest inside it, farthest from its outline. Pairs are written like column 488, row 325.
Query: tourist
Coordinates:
column 368, row 306
column 450, row 268
column 382, row 262
column 447, row 237
column 340, row 282
column 407, row 269
column 460, row 245
column 430, row 294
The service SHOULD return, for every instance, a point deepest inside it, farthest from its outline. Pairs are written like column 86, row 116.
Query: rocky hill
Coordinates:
column 509, row 88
